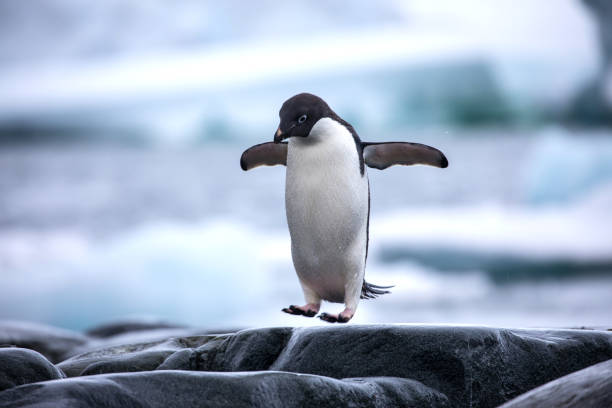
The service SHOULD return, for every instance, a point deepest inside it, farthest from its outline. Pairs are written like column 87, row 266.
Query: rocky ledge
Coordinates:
column 374, row 365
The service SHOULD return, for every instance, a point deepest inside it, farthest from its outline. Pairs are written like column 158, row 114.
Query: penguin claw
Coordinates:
column 343, row 319
column 297, row 311
column 330, row 318
column 292, row 310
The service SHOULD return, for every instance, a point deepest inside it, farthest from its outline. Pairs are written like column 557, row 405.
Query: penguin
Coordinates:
column 327, row 199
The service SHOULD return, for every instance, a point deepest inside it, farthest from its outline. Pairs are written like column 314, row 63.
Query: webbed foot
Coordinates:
column 308, row 310
column 343, row 317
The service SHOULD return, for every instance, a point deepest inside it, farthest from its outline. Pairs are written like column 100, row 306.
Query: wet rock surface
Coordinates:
column 193, row 389
column 373, row 365
column 53, row 343
column 128, row 326
column 587, row 388
column 130, row 357
column 23, row 366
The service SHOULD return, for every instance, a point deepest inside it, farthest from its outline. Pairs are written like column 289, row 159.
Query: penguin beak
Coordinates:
column 279, row 135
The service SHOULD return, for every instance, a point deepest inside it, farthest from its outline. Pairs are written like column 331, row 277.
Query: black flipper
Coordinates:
column 371, row 291
column 264, row 154
column 383, row 155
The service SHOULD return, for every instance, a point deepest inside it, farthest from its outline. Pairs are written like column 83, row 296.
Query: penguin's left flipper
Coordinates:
column 383, row 155
column 264, row 154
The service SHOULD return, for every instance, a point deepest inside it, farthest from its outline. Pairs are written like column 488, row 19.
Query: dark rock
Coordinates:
column 128, row 357
column 472, row 366
column 22, row 366
column 587, row 388
column 195, row 389
column 144, row 361
column 177, row 360
column 128, row 326
column 53, row 343
column 159, row 335
column 247, row 350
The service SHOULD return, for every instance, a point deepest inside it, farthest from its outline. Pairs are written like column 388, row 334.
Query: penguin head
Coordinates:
column 299, row 114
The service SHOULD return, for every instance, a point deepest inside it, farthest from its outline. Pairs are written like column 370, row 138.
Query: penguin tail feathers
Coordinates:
column 371, row 291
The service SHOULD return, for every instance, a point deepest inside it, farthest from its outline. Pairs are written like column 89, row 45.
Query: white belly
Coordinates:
column 326, row 199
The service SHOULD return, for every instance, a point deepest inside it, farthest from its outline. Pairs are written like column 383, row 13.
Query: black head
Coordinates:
column 299, row 114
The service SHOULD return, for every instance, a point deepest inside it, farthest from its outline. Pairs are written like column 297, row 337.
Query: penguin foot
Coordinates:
column 328, row 317
column 345, row 316
column 334, row 318
column 308, row 310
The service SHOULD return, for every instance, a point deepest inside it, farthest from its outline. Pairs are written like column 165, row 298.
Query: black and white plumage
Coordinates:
column 327, row 199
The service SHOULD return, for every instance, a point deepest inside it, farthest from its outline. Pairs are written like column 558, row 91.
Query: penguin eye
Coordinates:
column 302, row 119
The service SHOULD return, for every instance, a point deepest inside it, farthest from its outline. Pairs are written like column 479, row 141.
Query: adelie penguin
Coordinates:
column 327, row 199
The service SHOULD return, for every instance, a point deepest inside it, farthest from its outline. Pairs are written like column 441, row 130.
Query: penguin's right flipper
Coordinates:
column 387, row 154
column 264, row 154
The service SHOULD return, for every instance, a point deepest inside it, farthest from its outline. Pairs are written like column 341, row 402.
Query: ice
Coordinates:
column 221, row 272
column 203, row 273
column 173, row 85
column 562, row 168
column 578, row 230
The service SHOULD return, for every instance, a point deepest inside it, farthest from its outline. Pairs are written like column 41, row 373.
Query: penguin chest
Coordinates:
column 326, row 199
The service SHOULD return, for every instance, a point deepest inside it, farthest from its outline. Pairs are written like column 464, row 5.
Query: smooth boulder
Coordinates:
column 167, row 389
column 587, row 388
column 129, row 357
column 20, row 366
column 472, row 366
column 128, row 326
column 53, row 343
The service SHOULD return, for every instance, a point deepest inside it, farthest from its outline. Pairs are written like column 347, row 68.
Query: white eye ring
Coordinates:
column 302, row 119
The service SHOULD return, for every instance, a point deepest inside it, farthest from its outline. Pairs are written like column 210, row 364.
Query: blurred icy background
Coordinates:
column 122, row 124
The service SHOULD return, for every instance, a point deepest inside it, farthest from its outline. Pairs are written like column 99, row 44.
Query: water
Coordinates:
column 94, row 232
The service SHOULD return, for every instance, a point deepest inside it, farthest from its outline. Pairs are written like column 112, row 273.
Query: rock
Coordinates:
column 157, row 335
column 128, row 326
column 53, row 343
column 250, row 350
column 59, row 344
column 128, row 357
column 587, row 388
column 476, row 367
column 472, row 366
column 22, row 366
column 247, row 350
column 194, row 389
